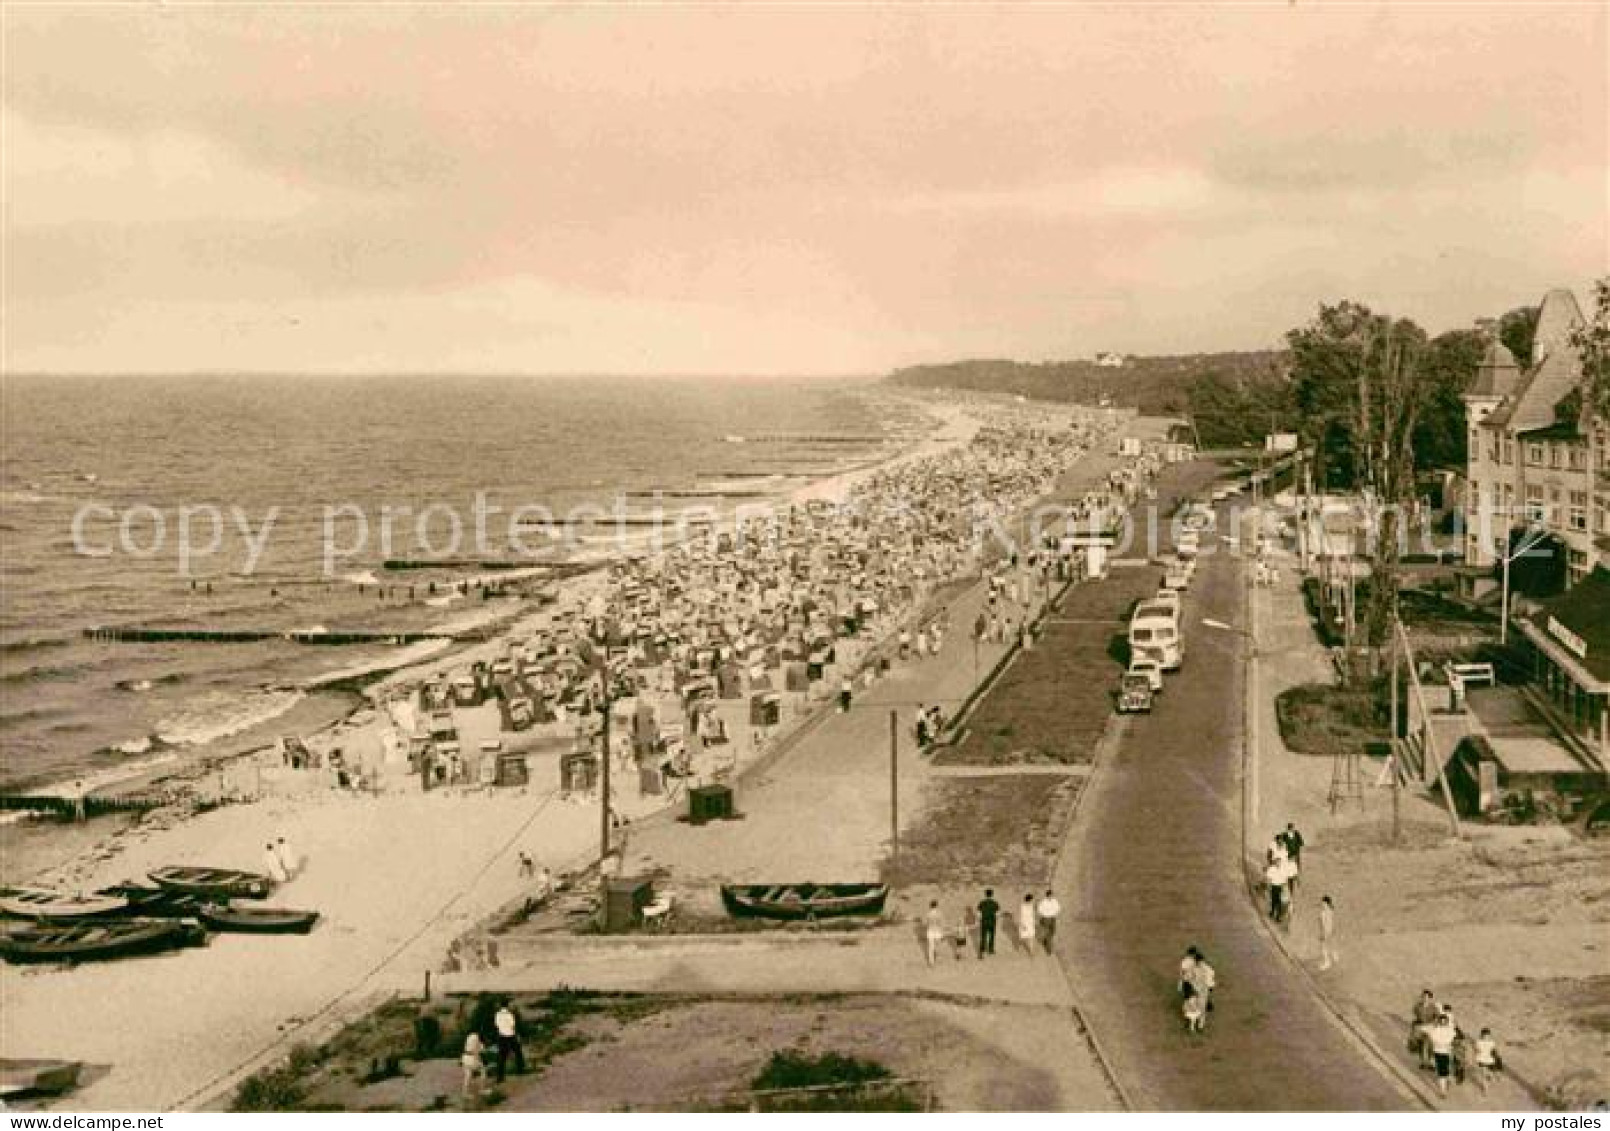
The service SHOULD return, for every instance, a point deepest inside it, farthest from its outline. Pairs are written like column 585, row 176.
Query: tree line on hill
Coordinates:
column 1312, row 387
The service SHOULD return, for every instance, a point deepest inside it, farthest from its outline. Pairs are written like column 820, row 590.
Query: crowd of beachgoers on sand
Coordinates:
column 779, row 609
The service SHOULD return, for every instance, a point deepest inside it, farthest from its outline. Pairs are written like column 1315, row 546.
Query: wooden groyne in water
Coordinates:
column 78, row 808
column 136, row 634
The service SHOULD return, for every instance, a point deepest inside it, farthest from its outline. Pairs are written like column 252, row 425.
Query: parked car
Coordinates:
column 1150, row 668
column 1134, row 694
column 1169, row 597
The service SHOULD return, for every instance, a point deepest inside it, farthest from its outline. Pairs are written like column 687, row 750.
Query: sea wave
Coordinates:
column 219, row 714
column 45, row 674
column 33, row 643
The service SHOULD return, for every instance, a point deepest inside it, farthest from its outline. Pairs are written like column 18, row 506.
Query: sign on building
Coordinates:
column 1280, row 442
column 1574, row 644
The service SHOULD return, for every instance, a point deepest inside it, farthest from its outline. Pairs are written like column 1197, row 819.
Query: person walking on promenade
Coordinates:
column 988, row 912
column 1426, row 1012
column 1440, row 1036
column 967, row 936
column 1274, row 875
column 846, row 693
column 933, row 930
column 1487, row 1059
column 508, row 1040
column 1194, row 1010
column 1187, row 970
column 1047, row 911
column 1027, row 925
column 1293, row 840
column 1204, row 980
column 1327, row 933
column 473, row 1061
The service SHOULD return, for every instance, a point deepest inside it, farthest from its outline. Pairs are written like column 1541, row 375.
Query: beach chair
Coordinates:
column 659, row 912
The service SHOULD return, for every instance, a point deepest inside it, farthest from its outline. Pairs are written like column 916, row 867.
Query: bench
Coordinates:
column 1466, row 674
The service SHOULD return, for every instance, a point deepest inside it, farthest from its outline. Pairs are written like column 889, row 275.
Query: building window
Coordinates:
column 1534, row 455
column 1554, row 455
column 1577, row 517
column 1509, row 451
column 1601, row 520
column 1577, row 562
column 1576, row 457
column 1536, row 510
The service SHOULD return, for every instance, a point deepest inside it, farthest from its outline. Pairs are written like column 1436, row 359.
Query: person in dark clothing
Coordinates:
column 506, row 1024
column 988, row 911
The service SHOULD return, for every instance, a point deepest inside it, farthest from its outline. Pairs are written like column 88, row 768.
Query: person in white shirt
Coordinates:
column 1047, row 911
column 273, row 865
column 933, row 931
column 508, row 1040
column 1204, row 980
column 473, row 1061
column 289, row 860
column 1027, row 925
column 1327, row 933
column 1275, row 877
column 1441, row 1035
column 1486, row 1059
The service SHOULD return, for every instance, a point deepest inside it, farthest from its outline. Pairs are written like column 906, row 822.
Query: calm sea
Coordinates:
column 72, row 707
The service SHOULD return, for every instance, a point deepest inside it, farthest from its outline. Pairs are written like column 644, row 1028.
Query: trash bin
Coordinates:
column 709, row 803
column 765, row 710
column 512, row 769
column 578, row 772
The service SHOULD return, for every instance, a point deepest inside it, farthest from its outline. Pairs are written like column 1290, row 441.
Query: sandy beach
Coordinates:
column 397, row 875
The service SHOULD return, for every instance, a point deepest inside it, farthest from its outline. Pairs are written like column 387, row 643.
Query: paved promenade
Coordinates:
column 1155, row 864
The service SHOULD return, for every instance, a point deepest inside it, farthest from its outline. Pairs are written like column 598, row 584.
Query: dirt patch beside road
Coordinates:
column 592, row 1052
column 998, row 831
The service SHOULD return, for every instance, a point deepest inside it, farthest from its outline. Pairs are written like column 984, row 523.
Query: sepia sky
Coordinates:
column 801, row 189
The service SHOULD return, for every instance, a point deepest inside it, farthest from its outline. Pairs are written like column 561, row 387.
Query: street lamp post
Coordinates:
column 1528, row 544
column 1251, row 750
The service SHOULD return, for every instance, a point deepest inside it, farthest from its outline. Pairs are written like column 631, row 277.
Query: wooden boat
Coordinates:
column 804, row 901
column 258, row 920
column 38, row 1077
column 40, row 903
column 95, row 939
column 148, row 901
column 219, row 883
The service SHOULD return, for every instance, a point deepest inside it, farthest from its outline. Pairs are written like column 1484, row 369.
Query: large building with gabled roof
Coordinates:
column 1530, row 462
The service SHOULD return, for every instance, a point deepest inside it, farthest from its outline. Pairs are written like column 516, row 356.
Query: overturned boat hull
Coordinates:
column 804, row 901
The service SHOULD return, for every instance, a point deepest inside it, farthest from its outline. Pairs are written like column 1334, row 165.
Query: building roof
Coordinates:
column 1497, row 374
column 1556, row 366
column 1584, row 610
column 1559, row 430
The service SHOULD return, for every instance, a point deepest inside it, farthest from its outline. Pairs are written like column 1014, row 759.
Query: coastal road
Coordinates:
column 1154, row 864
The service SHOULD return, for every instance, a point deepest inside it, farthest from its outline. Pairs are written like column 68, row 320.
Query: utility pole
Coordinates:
column 603, row 779
column 894, row 787
column 1527, row 545
column 1397, row 777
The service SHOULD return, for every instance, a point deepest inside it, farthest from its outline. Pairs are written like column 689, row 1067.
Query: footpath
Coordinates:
column 1461, row 917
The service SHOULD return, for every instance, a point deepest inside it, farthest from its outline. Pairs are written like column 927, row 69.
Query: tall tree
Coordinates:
column 1362, row 381
column 1592, row 342
column 1451, row 361
column 1515, row 330
column 1328, row 360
